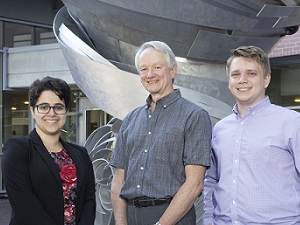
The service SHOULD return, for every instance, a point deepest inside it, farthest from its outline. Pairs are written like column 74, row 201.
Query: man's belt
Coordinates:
column 146, row 202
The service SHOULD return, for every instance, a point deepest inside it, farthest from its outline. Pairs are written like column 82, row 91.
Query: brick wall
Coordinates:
column 289, row 45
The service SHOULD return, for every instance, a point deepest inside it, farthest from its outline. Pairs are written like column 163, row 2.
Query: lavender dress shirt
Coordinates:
column 254, row 176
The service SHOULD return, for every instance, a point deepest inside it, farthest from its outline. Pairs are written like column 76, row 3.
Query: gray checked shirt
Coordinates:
column 153, row 148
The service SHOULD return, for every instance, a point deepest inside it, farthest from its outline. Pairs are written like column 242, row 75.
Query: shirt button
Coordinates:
column 234, row 181
column 142, row 168
column 165, row 106
column 150, row 116
column 235, row 161
column 237, row 140
column 235, row 222
column 138, row 186
column 149, row 132
column 233, row 202
column 242, row 123
column 146, row 150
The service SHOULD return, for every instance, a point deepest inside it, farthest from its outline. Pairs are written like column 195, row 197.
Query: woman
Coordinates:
column 48, row 181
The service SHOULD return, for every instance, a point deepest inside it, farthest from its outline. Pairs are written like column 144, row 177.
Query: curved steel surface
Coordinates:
column 100, row 156
column 114, row 26
column 117, row 91
column 99, row 40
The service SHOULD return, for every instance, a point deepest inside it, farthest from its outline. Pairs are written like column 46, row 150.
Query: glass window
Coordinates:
column 45, row 36
column 284, row 88
column 18, row 35
column 16, row 117
column 22, row 40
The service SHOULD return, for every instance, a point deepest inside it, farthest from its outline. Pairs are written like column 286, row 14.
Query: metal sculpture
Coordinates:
column 99, row 40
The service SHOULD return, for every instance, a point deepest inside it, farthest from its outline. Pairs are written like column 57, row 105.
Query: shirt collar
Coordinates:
column 254, row 109
column 166, row 100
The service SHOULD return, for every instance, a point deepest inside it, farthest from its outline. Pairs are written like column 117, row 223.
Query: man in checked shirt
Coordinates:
column 254, row 176
column 162, row 149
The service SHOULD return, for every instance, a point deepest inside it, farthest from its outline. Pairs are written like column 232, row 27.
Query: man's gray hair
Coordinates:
column 159, row 46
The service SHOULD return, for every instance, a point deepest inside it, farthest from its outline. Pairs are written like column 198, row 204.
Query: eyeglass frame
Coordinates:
column 51, row 107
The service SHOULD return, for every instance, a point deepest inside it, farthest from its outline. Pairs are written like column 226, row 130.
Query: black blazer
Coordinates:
column 34, row 186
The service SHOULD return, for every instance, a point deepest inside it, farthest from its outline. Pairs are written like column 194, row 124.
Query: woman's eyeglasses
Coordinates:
column 59, row 109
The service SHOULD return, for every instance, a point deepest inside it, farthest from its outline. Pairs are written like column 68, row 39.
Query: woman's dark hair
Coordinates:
column 58, row 86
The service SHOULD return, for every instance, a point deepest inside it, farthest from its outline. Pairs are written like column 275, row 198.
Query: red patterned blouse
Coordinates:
column 69, row 184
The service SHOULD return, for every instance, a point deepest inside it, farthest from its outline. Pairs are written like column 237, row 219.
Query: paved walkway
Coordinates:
column 5, row 211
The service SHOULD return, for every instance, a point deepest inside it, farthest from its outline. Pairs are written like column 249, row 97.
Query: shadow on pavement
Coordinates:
column 5, row 211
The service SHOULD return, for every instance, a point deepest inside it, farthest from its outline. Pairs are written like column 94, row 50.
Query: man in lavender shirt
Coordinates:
column 254, row 176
